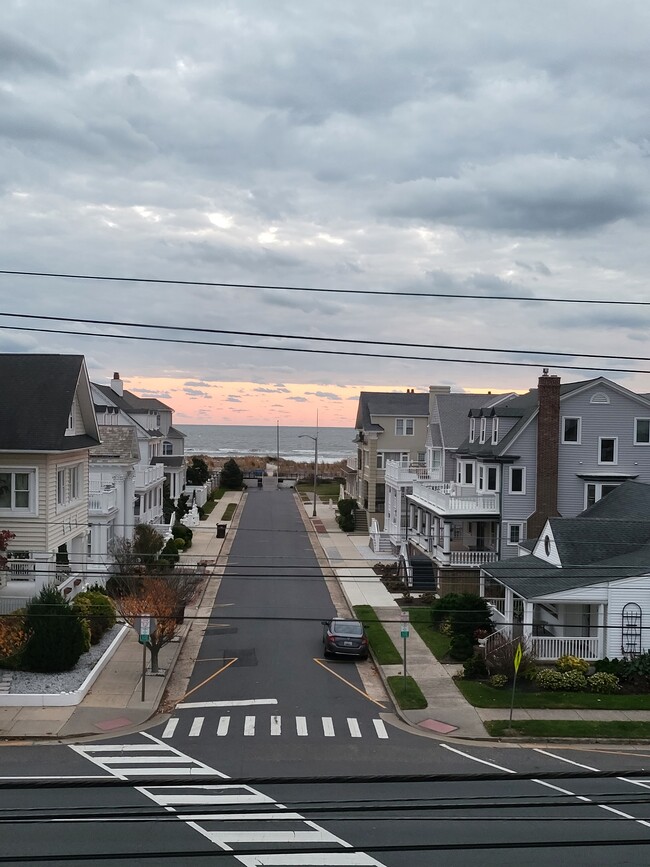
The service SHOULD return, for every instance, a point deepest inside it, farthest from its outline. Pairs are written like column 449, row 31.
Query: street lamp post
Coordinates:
column 315, row 439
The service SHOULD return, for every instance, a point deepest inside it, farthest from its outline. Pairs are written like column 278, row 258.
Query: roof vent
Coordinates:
column 599, row 397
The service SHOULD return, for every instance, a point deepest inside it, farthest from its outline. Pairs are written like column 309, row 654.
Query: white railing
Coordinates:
column 403, row 471
column 353, row 462
column 550, row 647
column 498, row 604
column 72, row 585
column 471, row 558
column 102, row 500
column 149, row 475
column 496, row 639
column 452, row 498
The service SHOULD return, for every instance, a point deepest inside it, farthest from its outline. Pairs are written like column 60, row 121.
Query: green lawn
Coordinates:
column 215, row 496
column 229, row 511
column 383, row 648
column 408, row 694
column 437, row 643
column 569, row 728
column 324, row 490
column 482, row 695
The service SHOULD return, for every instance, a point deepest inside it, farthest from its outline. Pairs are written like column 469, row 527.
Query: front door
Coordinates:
column 480, row 536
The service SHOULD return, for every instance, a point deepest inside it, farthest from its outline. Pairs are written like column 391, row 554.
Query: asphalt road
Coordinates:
column 263, row 703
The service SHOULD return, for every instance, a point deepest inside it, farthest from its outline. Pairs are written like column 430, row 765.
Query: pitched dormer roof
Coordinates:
column 383, row 403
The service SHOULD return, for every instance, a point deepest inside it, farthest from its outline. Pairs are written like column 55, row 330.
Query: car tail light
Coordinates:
column 364, row 640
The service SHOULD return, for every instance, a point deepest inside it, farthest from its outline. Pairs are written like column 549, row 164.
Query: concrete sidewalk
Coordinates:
column 114, row 702
column 448, row 713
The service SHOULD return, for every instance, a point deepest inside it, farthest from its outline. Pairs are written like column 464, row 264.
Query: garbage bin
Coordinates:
column 260, row 483
column 221, row 531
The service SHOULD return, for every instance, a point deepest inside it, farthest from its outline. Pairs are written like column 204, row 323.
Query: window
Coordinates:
column 421, row 457
column 481, row 437
column 547, row 545
column 571, row 430
column 607, row 450
column 642, row 431
column 472, row 429
column 466, row 472
column 492, row 479
column 436, row 459
column 18, row 491
column 495, row 431
column 404, row 427
column 515, row 533
column 517, row 480
column 481, row 478
column 70, row 426
column 68, row 485
column 595, row 491
column 168, row 448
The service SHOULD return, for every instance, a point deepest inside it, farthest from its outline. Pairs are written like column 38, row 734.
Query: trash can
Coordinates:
column 221, row 531
column 260, row 483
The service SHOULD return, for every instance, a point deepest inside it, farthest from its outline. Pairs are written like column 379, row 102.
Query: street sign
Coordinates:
column 404, row 633
column 518, row 655
column 144, row 625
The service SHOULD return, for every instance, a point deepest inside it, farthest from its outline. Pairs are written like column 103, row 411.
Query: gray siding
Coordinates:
column 518, row 507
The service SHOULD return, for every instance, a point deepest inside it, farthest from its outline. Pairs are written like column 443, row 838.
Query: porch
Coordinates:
column 407, row 472
column 27, row 573
column 451, row 498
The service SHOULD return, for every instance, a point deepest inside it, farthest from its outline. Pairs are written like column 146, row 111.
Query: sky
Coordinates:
column 421, row 149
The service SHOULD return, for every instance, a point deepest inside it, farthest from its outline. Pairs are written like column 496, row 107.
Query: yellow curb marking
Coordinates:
column 347, row 682
column 203, row 682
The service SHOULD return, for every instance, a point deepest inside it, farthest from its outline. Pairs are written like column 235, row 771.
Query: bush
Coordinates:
column 57, row 634
column 180, row 543
column 549, row 678
column 441, row 608
column 169, row 555
column 617, row 667
column 574, row 681
column 572, row 663
column 180, row 531
column 97, row 611
column 231, row 477
column 13, row 637
column 461, row 648
column 474, row 667
column 345, row 518
column 465, row 611
column 603, row 682
column 501, row 658
column 498, row 681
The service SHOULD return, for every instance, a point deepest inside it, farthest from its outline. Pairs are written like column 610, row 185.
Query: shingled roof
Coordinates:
column 37, row 396
column 375, row 403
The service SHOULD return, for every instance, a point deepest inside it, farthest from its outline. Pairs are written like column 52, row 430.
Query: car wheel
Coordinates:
column 326, row 653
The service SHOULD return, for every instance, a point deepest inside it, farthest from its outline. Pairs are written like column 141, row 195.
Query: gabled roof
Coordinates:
column 384, row 403
column 36, row 398
column 453, row 409
column 580, row 541
column 175, row 432
column 130, row 402
column 172, row 461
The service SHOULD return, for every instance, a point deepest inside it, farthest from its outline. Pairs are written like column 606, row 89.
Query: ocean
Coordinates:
column 229, row 440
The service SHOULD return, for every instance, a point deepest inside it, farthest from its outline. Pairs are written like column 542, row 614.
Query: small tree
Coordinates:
column 197, row 472
column 231, row 476
column 163, row 598
column 5, row 537
column 345, row 517
column 147, row 543
column 97, row 610
column 57, row 636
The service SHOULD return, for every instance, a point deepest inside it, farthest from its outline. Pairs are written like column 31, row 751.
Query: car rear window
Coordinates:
column 342, row 627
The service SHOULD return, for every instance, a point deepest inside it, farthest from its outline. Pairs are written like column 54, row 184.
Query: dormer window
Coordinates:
column 472, row 429
column 481, row 437
column 69, row 431
column 495, row 431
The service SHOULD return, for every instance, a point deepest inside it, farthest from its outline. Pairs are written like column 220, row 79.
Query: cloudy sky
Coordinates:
column 430, row 147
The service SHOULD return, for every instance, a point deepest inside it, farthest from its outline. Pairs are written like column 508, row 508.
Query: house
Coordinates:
column 583, row 588
column 47, row 428
column 551, row 452
column 390, row 426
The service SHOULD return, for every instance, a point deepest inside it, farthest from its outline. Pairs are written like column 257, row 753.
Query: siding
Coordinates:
column 615, row 419
column 518, row 507
column 388, row 442
column 620, row 592
column 66, row 522
column 30, row 531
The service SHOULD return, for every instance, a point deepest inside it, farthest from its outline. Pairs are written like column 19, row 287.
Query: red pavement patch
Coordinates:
column 435, row 726
column 110, row 724
column 318, row 525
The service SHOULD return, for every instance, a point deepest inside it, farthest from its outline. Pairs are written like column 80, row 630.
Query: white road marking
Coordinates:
column 244, row 702
column 563, row 759
column 353, row 725
column 170, row 728
column 328, row 727
column 301, row 726
column 169, row 797
column 380, row 728
column 474, row 759
column 276, row 725
column 249, row 726
column 197, row 725
column 222, row 728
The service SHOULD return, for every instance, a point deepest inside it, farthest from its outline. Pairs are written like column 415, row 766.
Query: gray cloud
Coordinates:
column 195, row 392
column 326, row 395
column 298, row 399
column 280, row 390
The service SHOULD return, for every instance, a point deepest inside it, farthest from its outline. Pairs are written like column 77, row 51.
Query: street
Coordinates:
column 262, row 703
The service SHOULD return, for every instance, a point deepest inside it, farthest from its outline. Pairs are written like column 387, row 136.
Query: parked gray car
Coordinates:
column 344, row 638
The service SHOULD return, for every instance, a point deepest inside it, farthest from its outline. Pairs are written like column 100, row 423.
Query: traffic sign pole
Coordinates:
column 405, row 634
column 517, row 662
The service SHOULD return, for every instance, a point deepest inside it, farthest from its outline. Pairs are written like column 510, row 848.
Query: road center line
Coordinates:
column 347, row 682
column 208, row 679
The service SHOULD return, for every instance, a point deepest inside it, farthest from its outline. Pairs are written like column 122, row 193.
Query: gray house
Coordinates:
column 584, row 588
column 552, row 452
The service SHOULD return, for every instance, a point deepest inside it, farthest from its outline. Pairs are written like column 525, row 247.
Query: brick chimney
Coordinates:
column 548, row 442
column 117, row 385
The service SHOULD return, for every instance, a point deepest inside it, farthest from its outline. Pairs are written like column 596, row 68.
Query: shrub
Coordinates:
column 169, row 554
column 96, row 610
column 441, row 608
column 549, row 678
column 427, row 598
column 231, row 477
column 445, row 628
column 461, row 648
column 57, row 635
column 637, row 669
column 180, row 531
column 345, row 518
column 574, row 681
column 474, row 667
column 572, row 663
column 617, row 667
column 13, row 637
column 180, row 543
column 603, row 682
column 498, row 681
column 500, row 659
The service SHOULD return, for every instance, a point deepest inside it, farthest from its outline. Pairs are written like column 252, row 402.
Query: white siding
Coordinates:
column 620, row 592
column 30, row 530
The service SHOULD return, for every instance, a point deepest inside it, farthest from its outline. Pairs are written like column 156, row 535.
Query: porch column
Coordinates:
column 528, row 620
column 481, row 584
column 446, row 538
column 508, row 611
column 436, row 531
column 602, row 642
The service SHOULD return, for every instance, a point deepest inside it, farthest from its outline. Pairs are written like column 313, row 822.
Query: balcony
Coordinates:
column 102, row 500
column 353, row 462
column 149, row 476
column 453, row 499
column 410, row 472
column 459, row 557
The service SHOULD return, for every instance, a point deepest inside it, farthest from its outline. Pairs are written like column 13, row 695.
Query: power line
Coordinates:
column 360, row 341
column 377, row 292
column 337, row 352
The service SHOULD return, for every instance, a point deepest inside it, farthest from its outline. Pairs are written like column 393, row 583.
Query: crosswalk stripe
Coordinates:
column 170, row 728
column 276, row 725
column 328, row 727
column 331, row 859
column 353, row 725
column 301, row 726
column 197, row 725
column 380, row 728
column 224, row 724
column 249, row 726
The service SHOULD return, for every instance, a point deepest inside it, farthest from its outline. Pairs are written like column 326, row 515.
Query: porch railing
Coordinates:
column 102, row 500
column 498, row 604
column 455, row 499
column 149, row 475
column 551, row 647
column 411, row 471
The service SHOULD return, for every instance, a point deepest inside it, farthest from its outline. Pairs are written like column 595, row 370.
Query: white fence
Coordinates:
column 551, row 647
